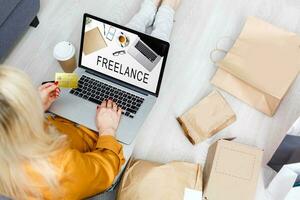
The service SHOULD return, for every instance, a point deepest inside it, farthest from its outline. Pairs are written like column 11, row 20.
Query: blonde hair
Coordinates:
column 24, row 137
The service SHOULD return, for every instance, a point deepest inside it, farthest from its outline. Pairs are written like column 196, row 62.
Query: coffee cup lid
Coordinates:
column 63, row 51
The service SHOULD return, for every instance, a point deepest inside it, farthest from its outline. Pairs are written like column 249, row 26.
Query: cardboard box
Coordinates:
column 231, row 171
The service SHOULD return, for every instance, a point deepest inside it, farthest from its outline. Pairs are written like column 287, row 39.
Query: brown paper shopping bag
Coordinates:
column 145, row 180
column 261, row 65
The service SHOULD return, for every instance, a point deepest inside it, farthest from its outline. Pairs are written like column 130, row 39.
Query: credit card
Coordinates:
column 67, row 80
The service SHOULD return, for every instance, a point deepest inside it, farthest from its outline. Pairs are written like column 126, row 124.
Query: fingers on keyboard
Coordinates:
column 96, row 92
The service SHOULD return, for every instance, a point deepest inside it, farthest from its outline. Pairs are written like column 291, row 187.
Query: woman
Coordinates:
column 53, row 158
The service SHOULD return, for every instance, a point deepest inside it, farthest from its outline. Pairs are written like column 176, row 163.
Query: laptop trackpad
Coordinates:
column 75, row 109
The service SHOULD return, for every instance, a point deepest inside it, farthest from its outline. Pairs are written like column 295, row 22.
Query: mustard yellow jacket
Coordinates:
column 89, row 166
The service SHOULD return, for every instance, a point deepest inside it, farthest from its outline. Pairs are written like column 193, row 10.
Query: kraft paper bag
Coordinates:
column 231, row 171
column 93, row 41
column 206, row 118
column 261, row 65
column 145, row 180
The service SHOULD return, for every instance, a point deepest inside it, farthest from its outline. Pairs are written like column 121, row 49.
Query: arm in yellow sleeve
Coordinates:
column 80, row 138
column 86, row 174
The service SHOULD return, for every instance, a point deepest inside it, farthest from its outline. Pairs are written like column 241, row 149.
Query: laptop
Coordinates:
column 144, row 54
column 130, row 75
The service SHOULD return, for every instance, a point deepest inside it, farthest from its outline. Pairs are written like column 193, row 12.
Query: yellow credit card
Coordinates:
column 67, row 80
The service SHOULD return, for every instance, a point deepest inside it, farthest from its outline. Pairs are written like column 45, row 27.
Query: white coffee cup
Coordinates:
column 64, row 53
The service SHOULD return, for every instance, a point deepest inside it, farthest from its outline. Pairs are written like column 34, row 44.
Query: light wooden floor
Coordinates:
column 199, row 25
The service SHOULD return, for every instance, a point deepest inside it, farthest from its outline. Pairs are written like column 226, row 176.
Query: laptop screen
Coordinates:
column 120, row 53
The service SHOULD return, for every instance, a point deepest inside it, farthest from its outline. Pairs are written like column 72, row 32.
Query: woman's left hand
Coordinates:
column 49, row 92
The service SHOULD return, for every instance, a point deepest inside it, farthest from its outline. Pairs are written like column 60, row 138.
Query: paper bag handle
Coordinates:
column 215, row 51
column 219, row 49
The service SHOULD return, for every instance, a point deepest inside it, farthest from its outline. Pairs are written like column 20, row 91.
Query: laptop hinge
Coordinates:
column 136, row 89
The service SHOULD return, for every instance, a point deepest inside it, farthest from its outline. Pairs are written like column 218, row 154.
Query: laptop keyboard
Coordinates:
column 96, row 92
column 145, row 51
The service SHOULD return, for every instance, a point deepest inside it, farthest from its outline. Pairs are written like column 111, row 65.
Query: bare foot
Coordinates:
column 157, row 2
column 172, row 3
column 108, row 118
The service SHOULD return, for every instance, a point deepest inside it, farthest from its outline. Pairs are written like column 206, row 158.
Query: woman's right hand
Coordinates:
column 108, row 118
column 48, row 92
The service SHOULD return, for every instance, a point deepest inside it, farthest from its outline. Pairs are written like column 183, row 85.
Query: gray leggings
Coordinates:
column 148, row 15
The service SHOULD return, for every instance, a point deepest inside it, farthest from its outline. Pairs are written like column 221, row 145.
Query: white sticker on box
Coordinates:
column 190, row 194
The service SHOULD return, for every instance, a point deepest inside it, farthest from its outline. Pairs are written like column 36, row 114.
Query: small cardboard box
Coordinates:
column 231, row 171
